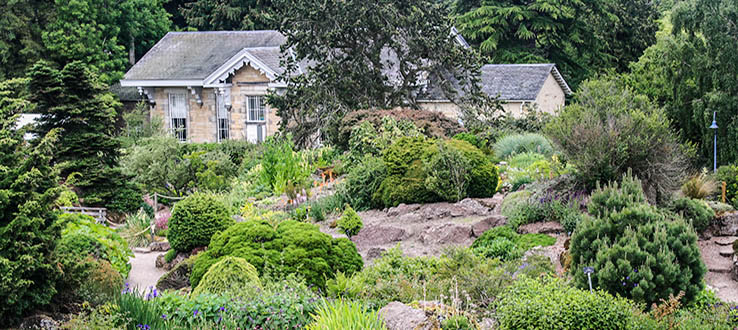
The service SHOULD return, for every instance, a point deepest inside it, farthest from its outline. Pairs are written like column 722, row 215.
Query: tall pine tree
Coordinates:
column 28, row 229
column 75, row 101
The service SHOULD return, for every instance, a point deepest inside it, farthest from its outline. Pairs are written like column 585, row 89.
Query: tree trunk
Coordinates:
column 132, row 51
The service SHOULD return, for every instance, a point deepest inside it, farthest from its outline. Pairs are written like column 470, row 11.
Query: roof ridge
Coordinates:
column 220, row 32
column 521, row 64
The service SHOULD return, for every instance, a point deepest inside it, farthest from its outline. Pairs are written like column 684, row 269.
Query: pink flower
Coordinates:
column 162, row 219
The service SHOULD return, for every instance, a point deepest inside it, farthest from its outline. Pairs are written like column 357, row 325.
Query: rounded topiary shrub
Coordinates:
column 230, row 275
column 483, row 173
column 291, row 247
column 194, row 221
column 697, row 212
column 549, row 303
column 639, row 254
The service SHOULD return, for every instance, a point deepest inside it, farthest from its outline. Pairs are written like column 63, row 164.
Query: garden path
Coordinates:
column 718, row 258
column 144, row 273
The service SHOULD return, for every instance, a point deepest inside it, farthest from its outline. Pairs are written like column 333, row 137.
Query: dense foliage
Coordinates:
column 291, row 247
column 74, row 101
column 28, row 227
column 340, row 314
column 231, row 275
column 611, row 129
column 83, row 236
column 195, row 220
column 350, row 223
column 697, row 212
column 549, row 303
column 636, row 250
column 504, row 243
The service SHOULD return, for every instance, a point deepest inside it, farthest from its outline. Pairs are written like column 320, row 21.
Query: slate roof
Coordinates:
column 519, row 82
column 195, row 55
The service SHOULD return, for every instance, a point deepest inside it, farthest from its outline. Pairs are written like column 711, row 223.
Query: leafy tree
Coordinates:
column 219, row 15
column 142, row 23
column 369, row 55
column 21, row 25
column 692, row 71
column 581, row 37
column 75, row 101
column 28, row 229
column 174, row 8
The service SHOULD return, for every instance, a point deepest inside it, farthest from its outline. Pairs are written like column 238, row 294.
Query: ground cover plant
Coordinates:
column 504, row 243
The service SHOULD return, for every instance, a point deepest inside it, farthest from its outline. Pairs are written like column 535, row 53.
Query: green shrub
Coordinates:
column 720, row 207
column 362, row 182
column 479, row 143
column 639, row 254
column 522, row 143
column 126, row 199
column 195, row 219
column 100, row 241
column 513, row 201
column 291, row 247
column 523, row 207
column 101, row 285
column 396, row 190
column 341, row 314
column 231, row 275
column 483, row 180
column 612, row 129
column 449, row 173
column 549, row 303
column 370, row 140
column 406, row 155
column 504, row 243
column 697, row 212
column 170, row 255
column 457, row 322
column 350, row 223
column 136, row 229
column 523, row 160
column 67, row 198
column 614, row 197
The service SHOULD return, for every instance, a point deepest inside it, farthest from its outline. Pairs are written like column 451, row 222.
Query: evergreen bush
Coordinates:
column 696, row 212
column 522, row 143
column 350, row 223
column 231, row 275
column 614, row 197
column 291, row 247
column 194, row 221
column 362, row 182
column 550, row 303
column 639, row 254
column 484, row 177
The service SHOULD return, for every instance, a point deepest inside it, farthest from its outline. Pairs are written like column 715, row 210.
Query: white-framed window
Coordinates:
column 178, row 115
column 256, row 108
column 222, row 120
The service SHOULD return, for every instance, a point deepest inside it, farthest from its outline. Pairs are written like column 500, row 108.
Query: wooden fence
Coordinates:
column 99, row 213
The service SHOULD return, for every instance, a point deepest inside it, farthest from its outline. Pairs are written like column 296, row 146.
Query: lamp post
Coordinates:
column 714, row 126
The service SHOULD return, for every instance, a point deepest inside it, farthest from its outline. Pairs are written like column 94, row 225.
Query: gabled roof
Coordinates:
column 191, row 57
column 519, row 82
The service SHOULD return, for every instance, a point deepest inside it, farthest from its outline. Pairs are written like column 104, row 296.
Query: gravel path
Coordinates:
column 144, row 273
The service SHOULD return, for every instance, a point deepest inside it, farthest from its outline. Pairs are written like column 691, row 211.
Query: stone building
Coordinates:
column 211, row 86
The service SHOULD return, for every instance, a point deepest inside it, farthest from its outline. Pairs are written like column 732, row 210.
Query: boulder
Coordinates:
column 161, row 262
column 734, row 271
column 448, row 233
column 159, row 246
column 472, row 207
column 725, row 225
column 39, row 321
column 725, row 240
column 379, row 234
column 483, row 225
column 374, row 253
column 548, row 227
column 402, row 209
column 398, row 316
column 178, row 277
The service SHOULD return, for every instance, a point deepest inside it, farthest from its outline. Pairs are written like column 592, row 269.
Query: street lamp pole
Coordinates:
column 714, row 126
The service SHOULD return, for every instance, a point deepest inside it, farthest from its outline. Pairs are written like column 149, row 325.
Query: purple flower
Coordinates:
column 164, row 316
column 635, row 270
column 623, row 283
column 195, row 312
column 222, row 309
column 635, row 285
column 627, row 277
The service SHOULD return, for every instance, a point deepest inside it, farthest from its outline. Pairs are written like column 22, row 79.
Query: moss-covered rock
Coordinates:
column 178, row 277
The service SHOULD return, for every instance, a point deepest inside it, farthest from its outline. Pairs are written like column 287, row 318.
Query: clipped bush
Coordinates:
column 549, row 303
column 362, row 182
column 291, row 247
column 230, row 275
column 397, row 190
column 405, row 157
column 194, row 221
column 370, row 140
column 522, row 143
column 350, row 222
column 696, row 212
column 639, row 254
column 342, row 314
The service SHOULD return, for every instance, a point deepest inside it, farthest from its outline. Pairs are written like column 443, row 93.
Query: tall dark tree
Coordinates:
column 28, row 230
column 21, row 25
column 74, row 101
column 368, row 55
column 217, row 15
column 581, row 37
column 174, row 8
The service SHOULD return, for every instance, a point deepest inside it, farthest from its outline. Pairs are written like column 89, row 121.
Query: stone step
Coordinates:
column 720, row 269
column 724, row 240
column 726, row 251
column 141, row 250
